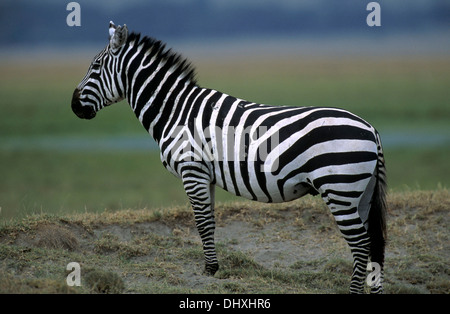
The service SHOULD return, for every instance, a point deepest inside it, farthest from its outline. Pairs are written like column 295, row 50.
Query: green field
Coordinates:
column 410, row 96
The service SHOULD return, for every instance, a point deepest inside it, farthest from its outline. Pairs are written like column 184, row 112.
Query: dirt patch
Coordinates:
column 47, row 235
column 56, row 237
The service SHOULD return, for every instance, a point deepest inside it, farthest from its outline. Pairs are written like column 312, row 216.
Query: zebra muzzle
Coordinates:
column 83, row 112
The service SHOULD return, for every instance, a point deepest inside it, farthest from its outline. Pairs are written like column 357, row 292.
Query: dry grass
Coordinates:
column 288, row 248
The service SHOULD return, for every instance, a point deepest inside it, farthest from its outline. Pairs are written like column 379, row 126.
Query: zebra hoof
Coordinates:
column 210, row 269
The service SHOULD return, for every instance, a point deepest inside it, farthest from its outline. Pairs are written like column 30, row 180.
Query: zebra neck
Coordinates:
column 156, row 100
column 155, row 79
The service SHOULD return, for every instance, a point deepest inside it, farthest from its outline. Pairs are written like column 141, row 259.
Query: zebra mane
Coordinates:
column 183, row 65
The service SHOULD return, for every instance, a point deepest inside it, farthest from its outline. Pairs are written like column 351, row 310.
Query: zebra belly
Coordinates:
column 263, row 187
column 254, row 184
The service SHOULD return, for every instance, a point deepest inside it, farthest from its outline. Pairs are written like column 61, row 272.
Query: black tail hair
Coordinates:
column 377, row 214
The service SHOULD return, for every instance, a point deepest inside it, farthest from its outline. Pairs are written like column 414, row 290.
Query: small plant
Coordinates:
column 100, row 281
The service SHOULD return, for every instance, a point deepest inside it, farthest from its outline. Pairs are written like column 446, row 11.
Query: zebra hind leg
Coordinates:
column 371, row 210
column 342, row 206
column 360, row 255
column 360, row 217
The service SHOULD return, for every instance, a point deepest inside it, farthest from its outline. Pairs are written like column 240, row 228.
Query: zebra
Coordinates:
column 264, row 153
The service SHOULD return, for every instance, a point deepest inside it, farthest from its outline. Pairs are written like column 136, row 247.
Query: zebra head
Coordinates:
column 101, row 86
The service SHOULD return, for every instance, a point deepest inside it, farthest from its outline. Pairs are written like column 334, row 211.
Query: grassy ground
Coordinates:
column 289, row 248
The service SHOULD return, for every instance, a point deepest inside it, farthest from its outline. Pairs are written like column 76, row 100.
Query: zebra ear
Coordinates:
column 112, row 29
column 117, row 35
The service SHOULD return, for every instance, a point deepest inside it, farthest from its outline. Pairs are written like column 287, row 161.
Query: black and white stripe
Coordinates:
column 264, row 153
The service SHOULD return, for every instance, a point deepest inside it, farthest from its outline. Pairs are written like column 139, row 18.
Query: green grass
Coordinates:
column 57, row 183
column 416, row 168
column 408, row 93
column 388, row 93
column 395, row 94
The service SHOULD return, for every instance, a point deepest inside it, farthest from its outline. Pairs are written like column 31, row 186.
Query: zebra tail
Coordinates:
column 377, row 214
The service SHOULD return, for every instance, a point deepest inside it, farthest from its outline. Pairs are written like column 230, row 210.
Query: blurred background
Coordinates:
column 280, row 52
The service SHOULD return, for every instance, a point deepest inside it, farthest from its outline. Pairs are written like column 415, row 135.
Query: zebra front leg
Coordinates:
column 204, row 220
column 205, row 227
column 201, row 196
